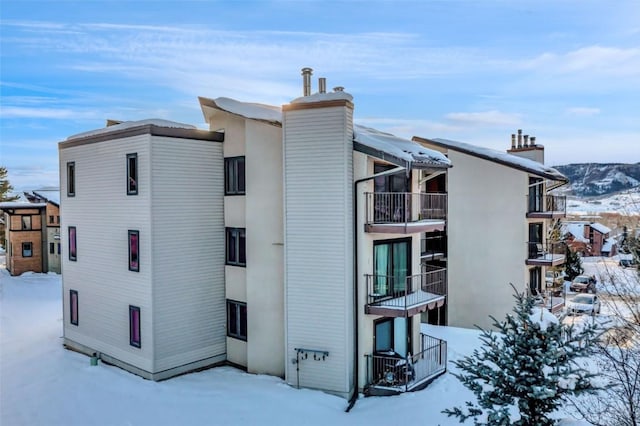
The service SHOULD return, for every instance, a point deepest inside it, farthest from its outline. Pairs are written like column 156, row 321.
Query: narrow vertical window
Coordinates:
column 26, row 223
column 73, row 307
column 234, row 176
column 134, row 251
column 73, row 248
column 71, row 179
column 132, row 174
column 59, row 248
column 237, row 320
column 134, row 326
column 50, row 218
column 27, row 249
column 236, row 247
column 52, row 248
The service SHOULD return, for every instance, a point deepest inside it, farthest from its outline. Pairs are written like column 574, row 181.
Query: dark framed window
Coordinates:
column 134, row 251
column 26, row 223
column 237, row 320
column 236, row 247
column 52, row 248
column 234, row 181
column 132, row 174
column 27, row 249
column 73, row 307
column 71, row 179
column 134, row 326
column 59, row 248
column 51, row 219
column 73, row 246
column 57, row 219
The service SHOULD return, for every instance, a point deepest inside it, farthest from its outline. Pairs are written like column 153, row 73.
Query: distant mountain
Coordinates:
column 599, row 179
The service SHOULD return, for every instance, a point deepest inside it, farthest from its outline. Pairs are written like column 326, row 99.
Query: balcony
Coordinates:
column 389, row 373
column 405, row 212
column 433, row 247
column 549, row 254
column 546, row 206
column 394, row 297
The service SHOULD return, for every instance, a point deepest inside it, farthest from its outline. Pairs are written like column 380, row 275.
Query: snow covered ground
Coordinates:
column 625, row 202
column 41, row 383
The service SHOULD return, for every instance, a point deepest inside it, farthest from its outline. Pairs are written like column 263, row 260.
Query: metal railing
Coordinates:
column 433, row 245
column 404, row 207
column 546, row 203
column 403, row 292
column 404, row 373
column 546, row 251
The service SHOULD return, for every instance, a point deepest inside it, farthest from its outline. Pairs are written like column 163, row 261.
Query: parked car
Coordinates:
column 554, row 281
column 583, row 284
column 584, row 304
column 627, row 263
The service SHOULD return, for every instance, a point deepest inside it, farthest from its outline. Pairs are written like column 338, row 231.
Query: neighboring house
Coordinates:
column 52, row 245
column 25, row 235
column 589, row 238
column 498, row 227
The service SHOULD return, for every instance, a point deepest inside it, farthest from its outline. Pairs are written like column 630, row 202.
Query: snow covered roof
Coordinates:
column 130, row 124
column 21, row 205
column 576, row 229
column 366, row 139
column 50, row 194
column 500, row 157
column 600, row 228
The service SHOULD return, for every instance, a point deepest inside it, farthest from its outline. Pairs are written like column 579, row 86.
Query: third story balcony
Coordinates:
column 405, row 212
column 546, row 206
column 546, row 254
column 400, row 296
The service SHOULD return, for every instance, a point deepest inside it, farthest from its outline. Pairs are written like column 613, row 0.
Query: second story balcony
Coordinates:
column 546, row 254
column 405, row 212
column 546, row 206
column 406, row 296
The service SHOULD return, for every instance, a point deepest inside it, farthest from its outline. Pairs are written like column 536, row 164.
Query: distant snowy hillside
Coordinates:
column 594, row 179
column 624, row 202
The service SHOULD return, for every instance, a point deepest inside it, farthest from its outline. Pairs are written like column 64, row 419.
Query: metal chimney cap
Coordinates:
column 338, row 89
column 307, row 70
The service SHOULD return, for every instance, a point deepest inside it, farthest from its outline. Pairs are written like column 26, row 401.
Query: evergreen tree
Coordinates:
column 5, row 187
column 573, row 264
column 528, row 367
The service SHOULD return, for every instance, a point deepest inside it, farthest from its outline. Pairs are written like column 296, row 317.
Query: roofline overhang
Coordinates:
column 211, row 103
column 390, row 158
column 492, row 159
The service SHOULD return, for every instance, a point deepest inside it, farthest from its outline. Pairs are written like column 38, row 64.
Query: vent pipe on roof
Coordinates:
column 519, row 138
column 338, row 89
column 513, row 141
column 532, row 141
column 322, row 85
column 306, row 81
column 526, row 141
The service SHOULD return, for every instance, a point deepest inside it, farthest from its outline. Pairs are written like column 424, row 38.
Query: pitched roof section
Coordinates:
column 130, row 124
column 367, row 140
column 499, row 157
column 600, row 228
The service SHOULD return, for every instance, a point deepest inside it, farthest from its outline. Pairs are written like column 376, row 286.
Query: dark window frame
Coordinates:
column 51, row 218
column 73, row 302
column 26, row 223
column 237, row 320
column 71, row 178
column 236, row 254
column 134, row 255
column 24, row 249
column 133, row 330
column 73, row 243
column 52, row 248
column 235, row 176
column 132, row 174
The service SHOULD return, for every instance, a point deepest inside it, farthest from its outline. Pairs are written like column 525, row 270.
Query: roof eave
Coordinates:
column 211, row 103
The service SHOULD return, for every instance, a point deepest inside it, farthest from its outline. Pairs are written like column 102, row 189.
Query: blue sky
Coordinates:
column 567, row 72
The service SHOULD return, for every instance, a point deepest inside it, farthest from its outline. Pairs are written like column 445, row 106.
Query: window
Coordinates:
column 392, row 266
column 58, row 219
column 134, row 251
column 52, row 248
column 236, row 247
column 132, row 174
column 26, row 223
column 27, row 249
column 71, row 179
column 237, row 320
column 59, row 248
column 51, row 219
column 234, row 182
column 73, row 307
column 134, row 326
column 73, row 254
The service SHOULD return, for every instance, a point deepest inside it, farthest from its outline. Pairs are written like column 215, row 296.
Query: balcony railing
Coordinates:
column 433, row 247
column 546, row 254
column 546, row 206
column 395, row 373
column 403, row 212
column 395, row 296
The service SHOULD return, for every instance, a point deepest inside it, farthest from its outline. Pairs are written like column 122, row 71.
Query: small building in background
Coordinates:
column 589, row 238
column 25, row 236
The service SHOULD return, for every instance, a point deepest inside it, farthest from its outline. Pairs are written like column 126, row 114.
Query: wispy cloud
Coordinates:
column 38, row 112
column 583, row 111
column 485, row 118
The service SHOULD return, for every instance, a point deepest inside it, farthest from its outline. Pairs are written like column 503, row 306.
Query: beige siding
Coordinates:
column 319, row 245
column 102, row 213
column 188, row 251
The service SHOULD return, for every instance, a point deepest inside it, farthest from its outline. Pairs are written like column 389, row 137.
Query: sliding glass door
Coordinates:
column 392, row 263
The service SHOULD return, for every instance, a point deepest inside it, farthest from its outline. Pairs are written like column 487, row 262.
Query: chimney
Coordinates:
column 532, row 141
column 519, row 138
column 322, row 85
column 526, row 141
column 338, row 89
column 306, row 81
column 513, row 141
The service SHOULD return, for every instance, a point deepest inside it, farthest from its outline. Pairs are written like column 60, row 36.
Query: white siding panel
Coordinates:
column 102, row 214
column 188, row 251
column 318, row 245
